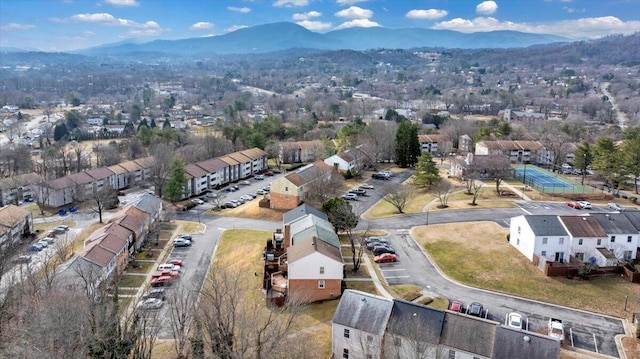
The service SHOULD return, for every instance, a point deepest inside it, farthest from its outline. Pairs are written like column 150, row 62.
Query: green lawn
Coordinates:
column 131, row 280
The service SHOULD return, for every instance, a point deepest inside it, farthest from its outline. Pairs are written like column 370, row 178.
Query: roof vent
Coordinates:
column 363, row 299
column 526, row 339
column 584, row 218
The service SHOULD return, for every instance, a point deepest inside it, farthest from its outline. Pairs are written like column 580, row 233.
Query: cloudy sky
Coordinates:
column 62, row 25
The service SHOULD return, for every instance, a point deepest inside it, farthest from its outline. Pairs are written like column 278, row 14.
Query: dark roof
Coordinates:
column 471, row 334
column 583, row 226
column 634, row 217
column 363, row 311
column 301, row 211
column 22, row 180
column 195, row 170
column 99, row 173
column 212, row 165
column 81, row 178
column 419, row 322
column 512, row 343
column 546, row 225
column 150, row 204
column 303, row 249
column 615, row 223
column 254, row 153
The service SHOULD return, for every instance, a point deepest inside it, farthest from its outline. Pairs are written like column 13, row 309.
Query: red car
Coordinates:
column 456, row 306
column 575, row 205
column 175, row 262
column 385, row 258
column 161, row 281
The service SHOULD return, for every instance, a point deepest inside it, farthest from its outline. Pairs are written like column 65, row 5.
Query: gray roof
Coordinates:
column 326, row 235
column 149, row 203
column 363, row 311
column 634, row 217
column 415, row 321
column 513, row 343
column 471, row 334
column 546, row 225
column 615, row 223
column 301, row 211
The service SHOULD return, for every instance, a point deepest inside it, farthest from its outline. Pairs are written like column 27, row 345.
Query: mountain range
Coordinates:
column 285, row 35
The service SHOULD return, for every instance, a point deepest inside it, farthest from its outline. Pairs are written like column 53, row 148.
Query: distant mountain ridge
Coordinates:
column 286, row 35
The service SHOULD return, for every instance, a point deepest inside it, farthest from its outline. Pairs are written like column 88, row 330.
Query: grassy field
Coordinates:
column 131, row 280
column 490, row 262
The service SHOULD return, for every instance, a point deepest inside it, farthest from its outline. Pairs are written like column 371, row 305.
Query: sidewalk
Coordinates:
column 374, row 276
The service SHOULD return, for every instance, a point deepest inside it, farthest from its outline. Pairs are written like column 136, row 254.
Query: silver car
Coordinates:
column 615, row 207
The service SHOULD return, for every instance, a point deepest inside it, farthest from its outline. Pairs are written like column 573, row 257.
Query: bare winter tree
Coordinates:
column 398, row 195
column 474, row 186
column 273, row 152
column 443, row 191
column 325, row 186
column 162, row 155
column 181, row 311
column 102, row 199
column 498, row 168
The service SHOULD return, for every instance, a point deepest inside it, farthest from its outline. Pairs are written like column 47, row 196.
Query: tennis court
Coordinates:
column 546, row 181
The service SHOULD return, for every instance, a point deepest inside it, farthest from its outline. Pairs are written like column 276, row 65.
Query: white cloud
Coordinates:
column 572, row 10
column 580, row 28
column 145, row 32
column 357, row 23
column 349, row 2
column 122, row 2
column 88, row 33
column 314, row 25
column 290, row 3
column 147, row 29
column 486, row 8
column 243, row 10
column 306, row 15
column 235, row 27
column 354, row 12
column 16, row 26
column 430, row 14
column 202, row 25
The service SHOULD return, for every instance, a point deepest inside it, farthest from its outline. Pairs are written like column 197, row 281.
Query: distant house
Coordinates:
column 18, row 188
column 289, row 191
column 342, row 161
column 436, row 144
column 198, row 177
column 300, row 151
column 217, row 171
column 516, row 151
column 102, row 176
column 15, row 223
column 465, row 143
column 122, row 178
column 522, row 116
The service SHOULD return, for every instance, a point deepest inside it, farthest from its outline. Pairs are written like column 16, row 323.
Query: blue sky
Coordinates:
column 62, row 25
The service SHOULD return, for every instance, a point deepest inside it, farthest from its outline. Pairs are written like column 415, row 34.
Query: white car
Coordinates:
column 150, row 303
column 43, row 243
column 366, row 186
column 514, row 320
column 615, row 207
column 198, row 201
column 584, row 204
column 350, row 196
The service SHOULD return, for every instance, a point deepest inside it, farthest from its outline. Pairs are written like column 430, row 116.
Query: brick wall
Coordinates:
column 281, row 201
column 308, row 290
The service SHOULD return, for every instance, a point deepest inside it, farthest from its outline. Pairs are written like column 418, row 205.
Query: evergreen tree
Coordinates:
column 143, row 123
column 153, row 123
column 166, row 125
column 407, row 144
column 174, row 188
column 60, row 131
column 427, row 173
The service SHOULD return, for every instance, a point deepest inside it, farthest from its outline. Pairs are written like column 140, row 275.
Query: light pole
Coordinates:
column 426, row 224
column 584, row 166
column 524, row 176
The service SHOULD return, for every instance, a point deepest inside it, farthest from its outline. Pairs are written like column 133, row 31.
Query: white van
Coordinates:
column 165, row 266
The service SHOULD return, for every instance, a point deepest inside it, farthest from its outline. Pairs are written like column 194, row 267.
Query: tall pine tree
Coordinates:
column 407, row 144
column 427, row 173
column 176, row 181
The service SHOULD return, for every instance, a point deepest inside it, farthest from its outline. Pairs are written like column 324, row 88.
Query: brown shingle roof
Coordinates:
column 131, row 166
column 295, row 179
column 99, row 173
column 26, row 179
column 506, row 145
column 117, row 169
column 80, row 178
column 60, row 183
column 99, row 255
column 254, row 153
column 229, row 160
column 239, row 157
column 212, row 165
column 583, row 226
column 11, row 215
column 145, row 162
column 195, row 171
column 132, row 219
column 305, row 248
column 433, row 138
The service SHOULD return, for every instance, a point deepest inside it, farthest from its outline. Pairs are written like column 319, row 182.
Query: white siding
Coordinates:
column 309, row 268
column 359, row 343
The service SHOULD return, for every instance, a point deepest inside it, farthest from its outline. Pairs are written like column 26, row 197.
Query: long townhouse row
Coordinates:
column 201, row 176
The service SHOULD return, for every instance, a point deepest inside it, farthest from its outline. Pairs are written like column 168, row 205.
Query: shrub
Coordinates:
column 508, row 237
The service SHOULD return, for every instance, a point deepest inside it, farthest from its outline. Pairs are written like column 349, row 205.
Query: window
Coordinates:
column 518, row 241
column 369, row 338
column 346, row 333
column 580, row 256
column 580, row 241
column 599, row 242
column 613, row 239
column 452, row 354
column 544, row 240
column 628, row 239
column 626, row 255
column 321, row 270
column 518, row 229
column 286, row 188
column 561, row 240
column 397, row 341
column 345, row 353
column 321, row 284
column 543, row 253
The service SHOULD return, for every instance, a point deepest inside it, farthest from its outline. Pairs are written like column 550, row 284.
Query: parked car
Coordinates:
column 63, row 227
column 25, row 258
column 35, row 247
column 260, row 191
column 197, row 201
column 49, row 240
column 56, row 231
column 230, row 189
column 374, row 239
column 164, row 266
column 230, row 205
column 350, row 196
column 475, row 309
column 43, row 243
column 158, row 293
column 380, row 176
column 514, row 320
column 381, row 242
column 359, row 192
column 268, row 173
column 150, row 303
column 181, row 242
column 366, row 186
column 385, row 258
column 186, row 236
column 175, row 262
column 387, row 173
column 456, row 306
column 615, row 207
column 247, row 197
column 161, row 281
column 573, row 205
column 259, row 177
column 584, row 204
column 267, row 188
column 382, row 248
column 121, row 193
